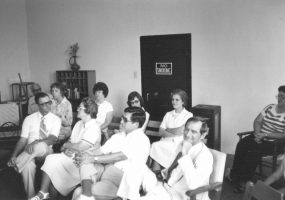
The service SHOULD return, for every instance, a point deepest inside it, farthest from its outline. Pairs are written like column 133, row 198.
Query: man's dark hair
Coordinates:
column 90, row 107
column 40, row 95
column 138, row 115
column 281, row 88
column 100, row 86
column 204, row 128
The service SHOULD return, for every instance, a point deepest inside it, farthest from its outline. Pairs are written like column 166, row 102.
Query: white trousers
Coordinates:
column 25, row 164
column 133, row 179
column 106, row 185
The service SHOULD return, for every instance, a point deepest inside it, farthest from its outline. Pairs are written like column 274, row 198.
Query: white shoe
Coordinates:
column 40, row 196
column 83, row 197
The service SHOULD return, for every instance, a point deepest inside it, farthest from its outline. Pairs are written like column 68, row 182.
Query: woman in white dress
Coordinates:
column 164, row 151
column 136, row 100
column 59, row 169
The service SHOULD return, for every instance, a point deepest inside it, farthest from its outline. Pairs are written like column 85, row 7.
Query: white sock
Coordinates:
column 84, row 197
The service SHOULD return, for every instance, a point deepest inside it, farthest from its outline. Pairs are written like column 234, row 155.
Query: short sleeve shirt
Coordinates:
column 135, row 145
column 272, row 121
column 88, row 132
column 31, row 126
column 103, row 109
column 114, row 144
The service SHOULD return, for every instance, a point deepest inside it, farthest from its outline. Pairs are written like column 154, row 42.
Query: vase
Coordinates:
column 73, row 64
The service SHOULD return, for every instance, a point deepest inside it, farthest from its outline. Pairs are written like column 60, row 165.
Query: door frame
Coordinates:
column 187, row 37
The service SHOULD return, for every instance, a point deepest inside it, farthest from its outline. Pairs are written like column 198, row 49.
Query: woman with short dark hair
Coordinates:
column 105, row 109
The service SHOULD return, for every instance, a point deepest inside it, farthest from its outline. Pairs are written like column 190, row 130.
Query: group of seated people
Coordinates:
column 95, row 165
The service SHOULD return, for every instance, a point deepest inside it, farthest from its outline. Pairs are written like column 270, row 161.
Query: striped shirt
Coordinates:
column 273, row 122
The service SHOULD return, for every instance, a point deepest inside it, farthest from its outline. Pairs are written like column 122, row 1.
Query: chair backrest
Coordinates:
column 260, row 191
column 217, row 175
column 219, row 163
column 152, row 128
column 115, row 123
column 216, row 178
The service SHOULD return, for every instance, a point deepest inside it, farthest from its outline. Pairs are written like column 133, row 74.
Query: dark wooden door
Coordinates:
column 165, row 65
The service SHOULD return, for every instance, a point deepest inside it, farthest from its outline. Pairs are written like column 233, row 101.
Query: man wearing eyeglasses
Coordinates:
column 39, row 132
column 123, row 150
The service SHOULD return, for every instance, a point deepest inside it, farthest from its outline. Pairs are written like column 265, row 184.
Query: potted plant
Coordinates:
column 72, row 51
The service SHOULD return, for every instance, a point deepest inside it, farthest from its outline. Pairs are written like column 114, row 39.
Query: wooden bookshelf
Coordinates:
column 79, row 84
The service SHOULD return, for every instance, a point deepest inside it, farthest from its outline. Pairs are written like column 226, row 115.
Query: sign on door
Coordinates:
column 163, row 68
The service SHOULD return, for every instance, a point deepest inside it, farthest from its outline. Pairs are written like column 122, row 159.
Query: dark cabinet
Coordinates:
column 79, row 84
column 213, row 114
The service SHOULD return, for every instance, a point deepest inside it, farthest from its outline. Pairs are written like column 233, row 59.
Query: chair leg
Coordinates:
column 274, row 158
column 274, row 163
column 260, row 168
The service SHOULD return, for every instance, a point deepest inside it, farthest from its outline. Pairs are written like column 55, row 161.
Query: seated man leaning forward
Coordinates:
column 39, row 132
column 127, row 148
column 190, row 169
column 59, row 169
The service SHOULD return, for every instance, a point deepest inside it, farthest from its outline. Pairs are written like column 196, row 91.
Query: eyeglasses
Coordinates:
column 125, row 119
column 280, row 96
column 134, row 102
column 45, row 103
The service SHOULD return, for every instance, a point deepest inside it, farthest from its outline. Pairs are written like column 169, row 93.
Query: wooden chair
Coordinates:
column 216, row 179
column 115, row 124
column 268, row 160
column 260, row 191
column 151, row 129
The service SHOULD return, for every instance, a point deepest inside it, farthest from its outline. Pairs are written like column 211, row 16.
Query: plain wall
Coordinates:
column 13, row 45
column 238, row 48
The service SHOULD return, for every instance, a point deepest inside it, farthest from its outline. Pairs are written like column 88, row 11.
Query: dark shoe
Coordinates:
column 238, row 190
column 229, row 178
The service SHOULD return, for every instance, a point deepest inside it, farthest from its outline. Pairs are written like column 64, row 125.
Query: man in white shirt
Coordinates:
column 190, row 169
column 39, row 132
column 121, row 151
